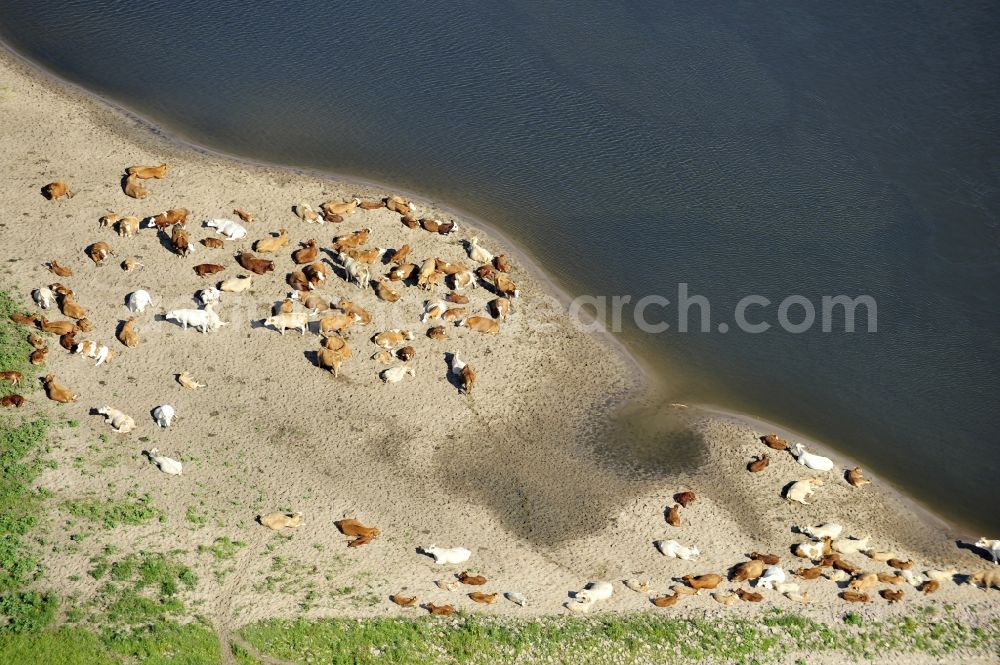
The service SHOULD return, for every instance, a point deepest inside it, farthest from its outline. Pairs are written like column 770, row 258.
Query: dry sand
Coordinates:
column 520, row 472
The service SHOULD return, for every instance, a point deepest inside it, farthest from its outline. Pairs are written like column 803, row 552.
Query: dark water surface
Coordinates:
column 741, row 147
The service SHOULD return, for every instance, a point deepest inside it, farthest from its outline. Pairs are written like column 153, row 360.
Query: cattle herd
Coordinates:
column 348, row 257
column 450, row 288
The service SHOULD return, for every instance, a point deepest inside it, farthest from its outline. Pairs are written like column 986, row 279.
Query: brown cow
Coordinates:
column 132, row 188
column 473, row 580
column 403, row 601
column 169, row 218
column 62, row 271
column 708, row 581
column 759, row 464
column 253, row 264
column 272, row 244
column 748, row 570
column 673, row 515
column 180, row 240
column 56, row 190
column 16, row 401
column 749, row 596
column 353, row 528
column 772, row 441
column 205, row 269
column 57, row 392
column 99, row 251
column 480, row 324
column 147, row 172
column 685, row 498
column 485, row 598
column 307, row 253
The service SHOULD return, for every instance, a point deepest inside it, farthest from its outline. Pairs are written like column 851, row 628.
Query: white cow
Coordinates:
column 357, row 271
column 99, row 352
column 237, row 284
column 810, row 550
column 289, row 320
column 595, row 591
column 433, row 310
column 227, row 227
column 850, row 545
column 443, row 555
column 478, row 253
column 166, row 464
column 202, row 319
column 43, row 297
column 516, row 597
column 164, row 415
column 396, row 374
column 119, row 422
column 457, row 365
column 821, row 531
column 817, row 462
column 771, row 576
column 206, row 296
column 138, row 301
column 674, row 549
column 991, row 546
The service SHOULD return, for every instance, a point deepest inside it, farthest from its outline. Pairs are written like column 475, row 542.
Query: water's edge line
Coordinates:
column 646, row 383
column 926, row 514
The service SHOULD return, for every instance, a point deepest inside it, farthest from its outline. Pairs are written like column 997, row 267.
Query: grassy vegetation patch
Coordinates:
column 290, row 576
column 28, row 611
column 20, row 464
column 14, row 348
column 195, row 516
column 616, row 638
column 20, row 503
column 21, row 440
column 222, row 548
column 242, row 656
column 66, row 646
column 188, row 644
column 191, row 644
column 140, row 590
column 133, row 509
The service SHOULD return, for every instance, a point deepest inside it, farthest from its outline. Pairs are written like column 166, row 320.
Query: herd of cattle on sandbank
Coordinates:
column 824, row 554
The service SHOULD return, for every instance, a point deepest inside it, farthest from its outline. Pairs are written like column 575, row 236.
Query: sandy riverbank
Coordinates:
column 518, row 472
